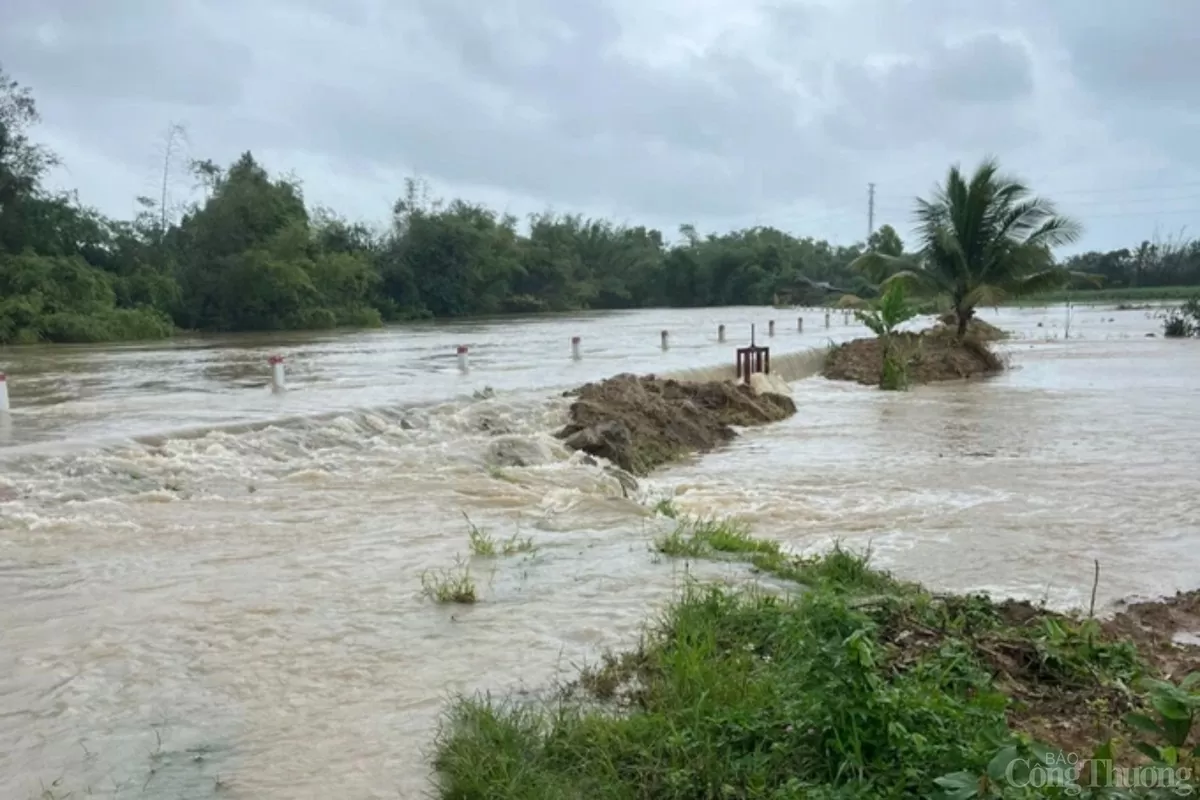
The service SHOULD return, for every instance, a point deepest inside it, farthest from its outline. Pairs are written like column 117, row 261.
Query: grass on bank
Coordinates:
column 1129, row 293
column 860, row 686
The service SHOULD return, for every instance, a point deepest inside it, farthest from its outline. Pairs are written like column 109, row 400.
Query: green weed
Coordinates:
column 450, row 585
column 696, row 537
column 516, row 544
column 484, row 545
column 667, row 508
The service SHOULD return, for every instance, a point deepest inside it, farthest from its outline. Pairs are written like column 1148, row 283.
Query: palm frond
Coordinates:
column 877, row 267
column 1055, row 231
column 1044, row 281
column 1091, row 278
column 986, row 294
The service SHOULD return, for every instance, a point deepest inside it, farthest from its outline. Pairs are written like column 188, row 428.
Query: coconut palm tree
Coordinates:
column 982, row 239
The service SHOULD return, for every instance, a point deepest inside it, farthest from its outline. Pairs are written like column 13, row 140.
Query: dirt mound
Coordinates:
column 977, row 329
column 641, row 422
column 935, row 355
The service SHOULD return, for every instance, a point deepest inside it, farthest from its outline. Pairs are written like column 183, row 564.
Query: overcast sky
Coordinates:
column 721, row 113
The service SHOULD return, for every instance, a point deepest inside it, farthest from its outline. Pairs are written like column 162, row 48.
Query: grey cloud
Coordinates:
column 968, row 92
column 1144, row 53
column 138, row 49
column 554, row 102
column 601, row 129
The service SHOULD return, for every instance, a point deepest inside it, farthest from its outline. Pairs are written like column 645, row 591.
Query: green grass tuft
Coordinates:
column 451, row 585
column 484, row 545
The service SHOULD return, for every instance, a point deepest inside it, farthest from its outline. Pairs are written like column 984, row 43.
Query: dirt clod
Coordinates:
column 641, row 422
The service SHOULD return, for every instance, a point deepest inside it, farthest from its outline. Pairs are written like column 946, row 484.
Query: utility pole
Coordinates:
column 174, row 131
column 870, row 210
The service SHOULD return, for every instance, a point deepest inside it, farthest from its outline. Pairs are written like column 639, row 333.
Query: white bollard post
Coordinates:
column 575, row 347
column 799, row 324
column 826, row 319
column 665, row 345
column 3, row 392
column 770, row 327
column 278, row 383
column 463, row 366
column 721, row 334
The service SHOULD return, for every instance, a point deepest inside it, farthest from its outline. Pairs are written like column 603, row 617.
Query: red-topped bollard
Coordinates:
column 277, row 379
column 3, row 392
column 463, row 364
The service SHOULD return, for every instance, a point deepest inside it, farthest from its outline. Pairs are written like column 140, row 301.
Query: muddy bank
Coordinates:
column 641, row 422
column 934, row 355
column 1069, row 679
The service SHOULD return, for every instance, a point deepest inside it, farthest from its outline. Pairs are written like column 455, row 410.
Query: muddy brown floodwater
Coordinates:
column 207, row 590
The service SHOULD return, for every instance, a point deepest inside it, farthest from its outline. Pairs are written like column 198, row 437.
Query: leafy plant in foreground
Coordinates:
column 1177, row 707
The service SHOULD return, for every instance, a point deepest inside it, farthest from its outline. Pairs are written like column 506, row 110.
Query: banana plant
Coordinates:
column 889, row 312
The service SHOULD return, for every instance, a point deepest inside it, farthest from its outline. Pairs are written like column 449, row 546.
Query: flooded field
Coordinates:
column 210, row 590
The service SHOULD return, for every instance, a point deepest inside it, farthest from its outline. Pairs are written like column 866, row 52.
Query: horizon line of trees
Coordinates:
column 251, row 256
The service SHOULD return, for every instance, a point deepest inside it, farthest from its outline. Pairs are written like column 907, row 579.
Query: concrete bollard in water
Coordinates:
column 278, row 382
column 463, row 365
column 799, row 324
column 3, row 392
column 770, row 327
column 575, row 347
column 721, row 334
column 665, row 344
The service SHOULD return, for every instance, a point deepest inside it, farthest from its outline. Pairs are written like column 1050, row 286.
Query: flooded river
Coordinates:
column 210, row 590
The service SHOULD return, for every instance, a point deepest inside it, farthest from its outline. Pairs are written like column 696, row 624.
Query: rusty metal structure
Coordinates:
column 753, row 359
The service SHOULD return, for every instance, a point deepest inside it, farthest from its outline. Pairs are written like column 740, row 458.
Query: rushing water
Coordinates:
column 207, row 590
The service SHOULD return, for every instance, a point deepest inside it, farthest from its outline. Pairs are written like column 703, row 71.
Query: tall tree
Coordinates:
column 886, row 241
column 983, row 238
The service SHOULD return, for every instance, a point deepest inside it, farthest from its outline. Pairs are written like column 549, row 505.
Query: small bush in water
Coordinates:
column 1183, row 321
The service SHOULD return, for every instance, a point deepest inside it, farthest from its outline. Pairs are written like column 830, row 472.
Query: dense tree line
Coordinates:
column 251, row 255
column 1174, row 262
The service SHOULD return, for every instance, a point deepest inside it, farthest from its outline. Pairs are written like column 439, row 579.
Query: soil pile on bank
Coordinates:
column 977, row 329
column 641, row 422
column 934, row 355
